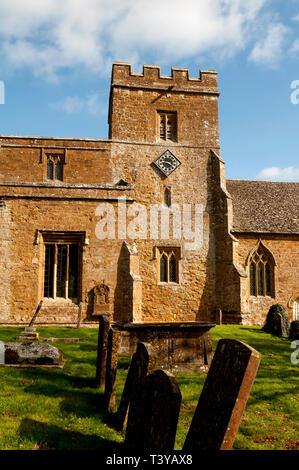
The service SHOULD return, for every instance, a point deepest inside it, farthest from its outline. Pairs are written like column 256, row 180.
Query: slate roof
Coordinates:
column 264, row 206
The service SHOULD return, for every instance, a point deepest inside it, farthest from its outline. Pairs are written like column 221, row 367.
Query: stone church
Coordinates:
column 143, row 225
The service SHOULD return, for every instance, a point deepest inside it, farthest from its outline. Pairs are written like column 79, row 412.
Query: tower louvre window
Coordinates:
column 167, row 125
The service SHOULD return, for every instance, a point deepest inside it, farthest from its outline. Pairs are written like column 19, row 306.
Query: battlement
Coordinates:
column 151, row 78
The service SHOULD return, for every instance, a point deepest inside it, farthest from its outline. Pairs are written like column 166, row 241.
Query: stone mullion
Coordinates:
column 67, row 270
column 55, row 272
column 167, row 267
column 264, row 280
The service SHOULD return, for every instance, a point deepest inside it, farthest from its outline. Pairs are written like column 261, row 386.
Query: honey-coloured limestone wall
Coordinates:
column 285, row 251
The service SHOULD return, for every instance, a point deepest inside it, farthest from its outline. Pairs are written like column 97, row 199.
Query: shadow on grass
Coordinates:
column 51, row 437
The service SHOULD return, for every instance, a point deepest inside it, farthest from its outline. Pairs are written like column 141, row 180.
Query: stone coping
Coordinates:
column 176, row 326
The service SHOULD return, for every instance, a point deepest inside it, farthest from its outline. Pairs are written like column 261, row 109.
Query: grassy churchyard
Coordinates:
column 61, row 409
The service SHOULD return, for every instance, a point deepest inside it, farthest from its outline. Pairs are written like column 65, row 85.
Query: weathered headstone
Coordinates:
column 104, row 326
column 277, row 321
column 153, row 414
column 111, row 368
column 100, row 299
column 294, row 330
column 223, row 398
column 29, row 333
column 141, row 364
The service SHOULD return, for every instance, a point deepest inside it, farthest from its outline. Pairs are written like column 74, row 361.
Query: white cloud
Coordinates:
column 294, row 48
column 274, row 173
column 51, row 35
column 268, row 50
column 75, row 105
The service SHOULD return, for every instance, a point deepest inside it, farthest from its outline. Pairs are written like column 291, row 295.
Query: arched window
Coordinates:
column 168, row 264
column 54, row 167
column 296, row 309
column 172, row 269
column 163, row 268
column 261, row 272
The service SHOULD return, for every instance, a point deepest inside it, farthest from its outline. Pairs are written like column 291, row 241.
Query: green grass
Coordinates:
column 62, row 409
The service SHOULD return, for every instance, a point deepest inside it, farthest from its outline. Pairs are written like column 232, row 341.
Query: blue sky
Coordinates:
column 56, row 57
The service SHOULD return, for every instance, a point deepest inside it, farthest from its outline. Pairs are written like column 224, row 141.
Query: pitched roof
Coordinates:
column 264, row 206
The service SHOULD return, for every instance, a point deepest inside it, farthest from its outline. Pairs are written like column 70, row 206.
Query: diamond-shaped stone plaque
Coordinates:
column 167, row 163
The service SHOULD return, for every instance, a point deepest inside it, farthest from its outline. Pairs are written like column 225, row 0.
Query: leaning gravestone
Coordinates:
column 104, row 326
column 153, row 414
column 29, row 333
column 141, row 364
column 223, row 398
column 111, row 368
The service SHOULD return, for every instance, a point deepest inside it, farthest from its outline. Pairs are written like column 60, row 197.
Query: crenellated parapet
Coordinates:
column 151, row 78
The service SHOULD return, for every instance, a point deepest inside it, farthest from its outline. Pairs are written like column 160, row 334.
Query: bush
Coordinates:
column 277, row 321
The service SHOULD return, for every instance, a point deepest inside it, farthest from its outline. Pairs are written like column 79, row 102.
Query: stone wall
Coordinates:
column 118, row 176
column 285, row 250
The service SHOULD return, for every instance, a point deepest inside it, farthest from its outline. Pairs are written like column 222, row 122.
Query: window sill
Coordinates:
column 168, row 284
column 257, row 297
column 59, row 301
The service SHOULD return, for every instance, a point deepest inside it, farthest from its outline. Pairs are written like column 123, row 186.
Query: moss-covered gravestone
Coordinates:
column 277, row 321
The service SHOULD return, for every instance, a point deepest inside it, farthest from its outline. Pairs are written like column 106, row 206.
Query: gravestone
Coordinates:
column 111, row 368
column 153, row 414
column 294, row 330
column 29, row 333
column 277, row 321
column 223, row 398
column 104, row 326
column 100, row 300
column 141, row 364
